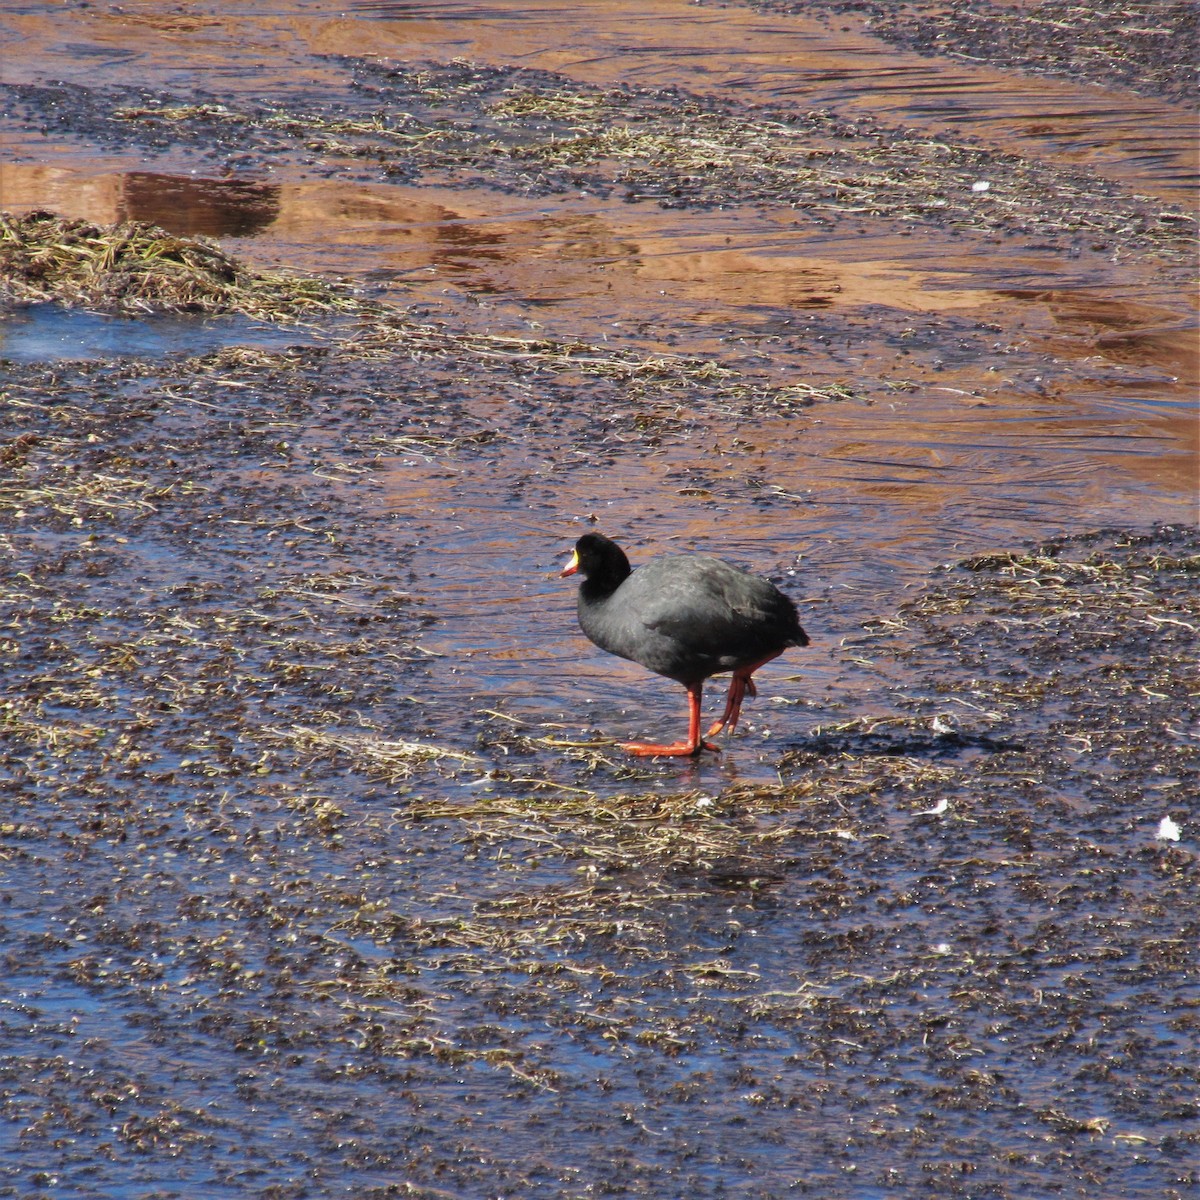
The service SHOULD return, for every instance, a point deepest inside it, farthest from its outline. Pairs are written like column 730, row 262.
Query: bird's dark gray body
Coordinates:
column 688, row 617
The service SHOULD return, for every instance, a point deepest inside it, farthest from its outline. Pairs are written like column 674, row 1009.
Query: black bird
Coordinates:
column 686, row 616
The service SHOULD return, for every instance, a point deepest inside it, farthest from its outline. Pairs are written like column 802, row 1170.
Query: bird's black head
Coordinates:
column 600, row 561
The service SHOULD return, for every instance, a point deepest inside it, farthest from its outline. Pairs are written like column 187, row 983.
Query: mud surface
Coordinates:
column 321, row 873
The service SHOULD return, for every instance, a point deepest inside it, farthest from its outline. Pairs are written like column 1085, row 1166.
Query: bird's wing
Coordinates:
column 705, row 604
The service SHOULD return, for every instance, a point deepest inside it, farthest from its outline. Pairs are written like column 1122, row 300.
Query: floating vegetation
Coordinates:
column 686, row 376
column 384, row 757
column 138, row 268
column 1127, row 43
column 133, row 267
column 539, row 133
column 292, row 906
column 238, row 816
column 79, row 496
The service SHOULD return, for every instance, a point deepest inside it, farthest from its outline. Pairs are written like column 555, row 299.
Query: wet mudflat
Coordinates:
column 322, row 874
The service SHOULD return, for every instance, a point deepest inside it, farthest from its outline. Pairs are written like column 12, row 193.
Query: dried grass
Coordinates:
column 134, row 267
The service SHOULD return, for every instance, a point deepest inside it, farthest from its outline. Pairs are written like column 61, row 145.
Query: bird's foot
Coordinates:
column 740, row 686
column 675, row 749
column 729, row 719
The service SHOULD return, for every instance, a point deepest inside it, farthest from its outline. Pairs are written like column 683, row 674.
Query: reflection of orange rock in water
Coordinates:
column 25, row 187
column 180, row 204
column 213, row 207
column 407, row 229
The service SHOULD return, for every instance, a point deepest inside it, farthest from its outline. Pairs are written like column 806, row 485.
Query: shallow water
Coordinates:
column 49, row 333
column 240, row 969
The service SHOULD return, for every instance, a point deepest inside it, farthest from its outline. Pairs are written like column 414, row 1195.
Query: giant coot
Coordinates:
column 686, row 616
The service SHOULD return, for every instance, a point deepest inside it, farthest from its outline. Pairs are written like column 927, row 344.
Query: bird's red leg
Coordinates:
column 694, row 743
column 740, row 686
column 733, row 705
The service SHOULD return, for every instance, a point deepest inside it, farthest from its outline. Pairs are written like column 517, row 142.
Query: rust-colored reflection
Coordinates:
column 578, row 250
column 616, row 266
column 1123, row 330
column 1149, row 145
column 216, row 207
column 614, row 258
column 179, row 203
column 1073, row 407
